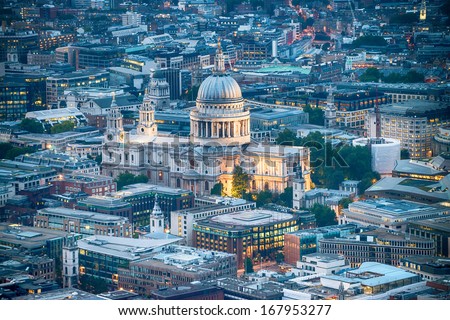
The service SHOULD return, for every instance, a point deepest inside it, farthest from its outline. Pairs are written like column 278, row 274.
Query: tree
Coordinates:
column 248, row 265
column 285, row 198
column 316, row 115
column 264, row 197
column 62, row 127
column 404, row 154
column 125, row 179
column 369, row 179
column 31, row 125
column 93, row 284
column 324, row 215
column 279, row 257
column 333, row 177
column 8, row 151
column 286, row 138
column 344, row 202
column 240, row 182
column 217, row 189
column 370, row 75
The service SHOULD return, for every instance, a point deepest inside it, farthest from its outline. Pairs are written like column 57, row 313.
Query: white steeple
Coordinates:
column 330, row 110
column 114, row 122
column 70, row 263
column 156, row 218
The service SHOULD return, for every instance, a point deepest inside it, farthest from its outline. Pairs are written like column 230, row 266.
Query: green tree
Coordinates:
column 125, row 179
column 285, row 198
column 343, row 203
column 8, row 151
column 264, row 197
column 31, row 125
column 279, row 257
column 334, row 178
column 248, row 265
column 92, row 284
column 287, row 138
column 324, row 215
column 370, row 75
column 413, row 77
column 217, row 189
column 316, row 115
column 404, row 154
column 62, row 127
column 368, row 180
column 240, row 182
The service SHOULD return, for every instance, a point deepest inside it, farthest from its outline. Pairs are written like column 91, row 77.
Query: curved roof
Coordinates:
column 219, row 88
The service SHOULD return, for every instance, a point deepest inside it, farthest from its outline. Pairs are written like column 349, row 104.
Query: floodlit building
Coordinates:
column 247, row 233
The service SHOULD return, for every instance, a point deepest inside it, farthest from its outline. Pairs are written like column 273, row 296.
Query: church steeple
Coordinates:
column 156, row 218
column 114, row 121
column 330, row 110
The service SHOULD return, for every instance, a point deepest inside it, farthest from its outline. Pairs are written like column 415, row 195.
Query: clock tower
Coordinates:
column 147, row 125
column 114, row 123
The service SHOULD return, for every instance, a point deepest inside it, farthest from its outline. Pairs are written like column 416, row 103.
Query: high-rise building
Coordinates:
column 19, row 42
column 131, row 18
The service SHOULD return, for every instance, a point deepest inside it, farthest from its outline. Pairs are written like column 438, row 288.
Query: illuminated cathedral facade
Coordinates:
column 219, row 141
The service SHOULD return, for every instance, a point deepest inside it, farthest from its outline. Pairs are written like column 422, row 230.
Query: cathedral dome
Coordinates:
column 219, row 88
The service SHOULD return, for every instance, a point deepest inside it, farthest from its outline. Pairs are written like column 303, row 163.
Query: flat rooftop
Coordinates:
column 27, row 237
column 442, row 224
column 140, row 188
column 62, row 294
column 391, row 207
column 247, row 218
column 126, row 248
column 82, row 215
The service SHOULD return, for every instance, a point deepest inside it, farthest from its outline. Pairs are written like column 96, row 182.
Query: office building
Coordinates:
column 379, row 245
column 437, row 229
column 303, row 242
column 142, row 198
column 321, row 264
column 441, row 141
column 371, row 278
column 190, row 292
column 83, row 222
column 423, row 191
column 389, row 213
column 176, row 266
column 131, row 18
column 93, row 185
column 106, row 205
column 61, row 162
column 88, row 78
column 182, row 221
column 18, row 42
column 14, row 101
column 33, row 241
column 102, row 256
column 48, row 118
column 238, row 289
column 25, row 176
column 413, row 123
column 270, row 119
column 428, row 268
column 246, row 233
